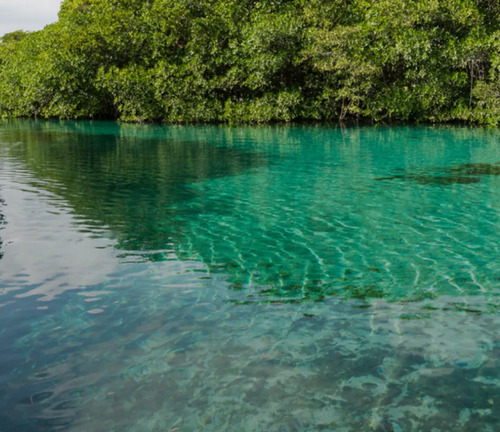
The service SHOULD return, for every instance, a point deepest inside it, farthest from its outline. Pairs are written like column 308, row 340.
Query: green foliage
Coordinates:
column 11, row 38
column 252, row 61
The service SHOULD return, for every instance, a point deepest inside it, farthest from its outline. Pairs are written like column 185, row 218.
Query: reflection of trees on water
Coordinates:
column 129, row 180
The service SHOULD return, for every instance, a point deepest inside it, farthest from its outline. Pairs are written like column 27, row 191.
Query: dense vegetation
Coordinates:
column 258, row 61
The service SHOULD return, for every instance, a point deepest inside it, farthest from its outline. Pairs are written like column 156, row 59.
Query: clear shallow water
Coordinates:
column 278, row 279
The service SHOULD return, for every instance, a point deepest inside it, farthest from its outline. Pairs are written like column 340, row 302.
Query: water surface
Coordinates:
column 278, row 278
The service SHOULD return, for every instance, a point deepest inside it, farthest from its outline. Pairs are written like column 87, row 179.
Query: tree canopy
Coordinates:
column 258, row 61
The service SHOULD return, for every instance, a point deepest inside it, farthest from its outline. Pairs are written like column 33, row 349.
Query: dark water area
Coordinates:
column 210, row 278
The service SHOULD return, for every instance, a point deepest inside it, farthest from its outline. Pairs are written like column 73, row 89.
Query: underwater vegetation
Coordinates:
column 456, row 174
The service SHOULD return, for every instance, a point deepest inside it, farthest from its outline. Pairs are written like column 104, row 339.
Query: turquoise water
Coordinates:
column 250, row 279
